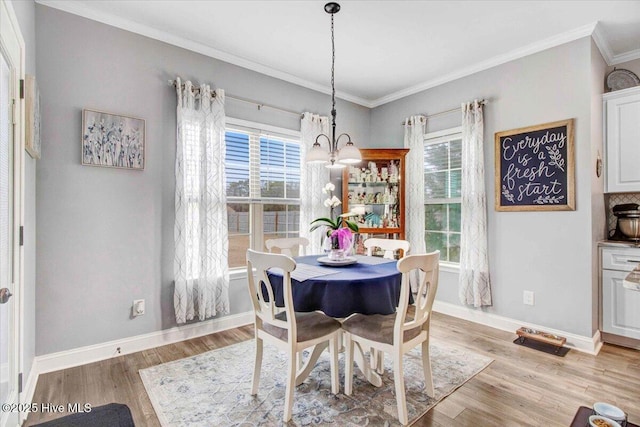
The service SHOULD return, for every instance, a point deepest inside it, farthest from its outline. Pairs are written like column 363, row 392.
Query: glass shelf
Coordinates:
column 373, row 184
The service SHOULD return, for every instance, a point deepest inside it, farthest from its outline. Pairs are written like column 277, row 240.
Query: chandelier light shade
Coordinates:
column 349, row 154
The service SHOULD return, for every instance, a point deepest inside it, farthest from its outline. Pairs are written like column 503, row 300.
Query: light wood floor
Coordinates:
column 521, row 387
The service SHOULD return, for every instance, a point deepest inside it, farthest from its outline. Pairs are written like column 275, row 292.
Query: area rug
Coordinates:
column 111, row 415
column 212, row 389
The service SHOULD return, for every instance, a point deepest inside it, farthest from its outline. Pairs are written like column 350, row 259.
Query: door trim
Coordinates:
column 15, row 42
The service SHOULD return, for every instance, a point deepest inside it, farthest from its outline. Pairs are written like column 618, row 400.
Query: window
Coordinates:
column 442, row 179
column 263, row 188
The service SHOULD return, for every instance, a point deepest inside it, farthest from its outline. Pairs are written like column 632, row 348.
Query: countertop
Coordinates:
column 617, row 244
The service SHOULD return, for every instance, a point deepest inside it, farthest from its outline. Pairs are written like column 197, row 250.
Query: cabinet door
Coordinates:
column 623, row 143
column 620, row 314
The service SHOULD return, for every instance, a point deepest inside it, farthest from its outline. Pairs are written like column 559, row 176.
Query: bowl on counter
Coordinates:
column 600, row 421
column 630, row 227
column 609, row 411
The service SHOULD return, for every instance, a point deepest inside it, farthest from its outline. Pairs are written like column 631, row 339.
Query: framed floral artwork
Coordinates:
column 112, row 140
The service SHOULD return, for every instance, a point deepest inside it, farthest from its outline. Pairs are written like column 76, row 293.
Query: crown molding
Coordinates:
column 566, row 37
column 607, row 52
column 592, row 29
column 79, row 9
column 625, row 57
column 603, row 44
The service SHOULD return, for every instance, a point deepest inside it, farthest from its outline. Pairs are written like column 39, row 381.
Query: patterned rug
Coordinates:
column 212, row 389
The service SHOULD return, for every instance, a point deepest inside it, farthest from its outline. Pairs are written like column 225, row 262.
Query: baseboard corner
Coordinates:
column 580, row 343
column 97, row 352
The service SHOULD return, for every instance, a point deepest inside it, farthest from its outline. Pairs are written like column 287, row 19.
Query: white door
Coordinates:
column 11, row 48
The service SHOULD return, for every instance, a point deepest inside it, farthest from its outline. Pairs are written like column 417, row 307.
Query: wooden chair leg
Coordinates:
column 256, row 367
column 348, row 364
column 291, row 384
column 398, row 376
column 333, row 351
column 426, row 367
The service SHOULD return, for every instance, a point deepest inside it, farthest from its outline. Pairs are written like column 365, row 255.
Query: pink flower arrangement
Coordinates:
column 343, row 236
column 340, row 230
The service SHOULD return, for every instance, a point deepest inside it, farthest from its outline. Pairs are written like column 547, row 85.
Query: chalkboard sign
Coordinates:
column 535, row 168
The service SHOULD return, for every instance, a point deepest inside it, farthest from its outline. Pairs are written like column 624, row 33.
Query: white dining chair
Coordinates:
column 389, row 246
column 288, row 330
column 396, row 334
column 286, row 244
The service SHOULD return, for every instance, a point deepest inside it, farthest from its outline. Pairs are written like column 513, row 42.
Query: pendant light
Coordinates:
column 349, row 154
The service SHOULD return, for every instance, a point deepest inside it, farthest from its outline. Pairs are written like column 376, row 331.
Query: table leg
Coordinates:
column 358, row 356
column 310, row 363
column 371, row 375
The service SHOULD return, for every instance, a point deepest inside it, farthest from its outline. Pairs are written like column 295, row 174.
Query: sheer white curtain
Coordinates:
column 474, row 282
column 201, row 236
column 312, row 178
column 414, row 130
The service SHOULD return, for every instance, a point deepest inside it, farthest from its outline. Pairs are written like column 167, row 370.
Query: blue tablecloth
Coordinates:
column 357, row 288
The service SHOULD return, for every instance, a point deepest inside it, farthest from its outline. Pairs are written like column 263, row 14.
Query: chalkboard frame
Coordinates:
column 570, row 204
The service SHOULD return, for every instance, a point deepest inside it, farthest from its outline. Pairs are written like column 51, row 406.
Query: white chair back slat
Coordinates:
column 258, row 263
column 389, row 246
column 286, row 245
column 428, row 266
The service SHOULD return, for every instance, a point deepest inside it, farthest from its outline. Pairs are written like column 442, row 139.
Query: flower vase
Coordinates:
column 336, row 253
column 348, row 246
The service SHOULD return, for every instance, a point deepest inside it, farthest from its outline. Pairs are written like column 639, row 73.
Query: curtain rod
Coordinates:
column 441, row 113
column 260, row 105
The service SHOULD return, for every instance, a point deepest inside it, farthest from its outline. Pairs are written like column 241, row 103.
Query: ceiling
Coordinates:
column 385, row 50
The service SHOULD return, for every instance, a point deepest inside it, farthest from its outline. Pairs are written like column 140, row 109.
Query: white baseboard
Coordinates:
column 94, row 353
column 590, row 345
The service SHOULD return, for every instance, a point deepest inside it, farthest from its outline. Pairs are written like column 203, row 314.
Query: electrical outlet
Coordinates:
column 138, row 308
column 527, row 298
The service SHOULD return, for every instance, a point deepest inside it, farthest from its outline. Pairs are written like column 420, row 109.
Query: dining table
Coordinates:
column 370, row 285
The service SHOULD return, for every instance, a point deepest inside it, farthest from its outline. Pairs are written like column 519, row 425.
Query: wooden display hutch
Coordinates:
column 375, row 189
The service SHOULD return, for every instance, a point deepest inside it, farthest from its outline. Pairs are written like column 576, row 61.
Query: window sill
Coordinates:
column 450, row 267
column 237, row 273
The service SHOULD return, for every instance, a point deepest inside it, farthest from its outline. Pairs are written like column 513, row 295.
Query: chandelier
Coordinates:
column 349, row 154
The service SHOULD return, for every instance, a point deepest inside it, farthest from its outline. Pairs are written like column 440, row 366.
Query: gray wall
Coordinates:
column 25, row 11
column 549, row 253
column 105, row 236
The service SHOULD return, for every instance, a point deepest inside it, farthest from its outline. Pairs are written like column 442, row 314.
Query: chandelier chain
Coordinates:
column 333, row 86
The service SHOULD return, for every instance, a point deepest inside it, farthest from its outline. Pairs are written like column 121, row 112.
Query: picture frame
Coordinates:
column 113, row 140
column 535, row 168
column 32, row 117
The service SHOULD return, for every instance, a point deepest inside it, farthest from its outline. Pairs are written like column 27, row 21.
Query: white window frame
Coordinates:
column 436, row 138
column 256, row 240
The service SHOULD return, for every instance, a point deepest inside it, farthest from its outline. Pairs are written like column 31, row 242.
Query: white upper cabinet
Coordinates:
column 622, row 140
